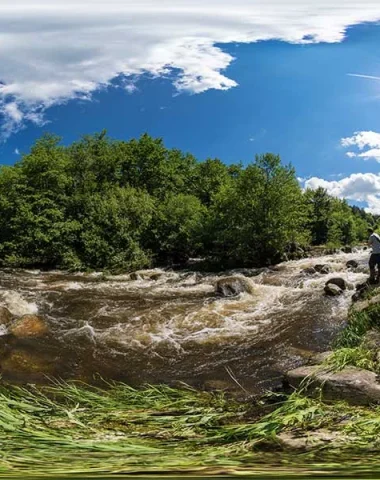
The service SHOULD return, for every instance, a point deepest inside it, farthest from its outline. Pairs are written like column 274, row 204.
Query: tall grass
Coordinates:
column 71, row 428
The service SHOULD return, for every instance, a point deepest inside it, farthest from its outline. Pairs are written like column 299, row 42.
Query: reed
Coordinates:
column 72, row 428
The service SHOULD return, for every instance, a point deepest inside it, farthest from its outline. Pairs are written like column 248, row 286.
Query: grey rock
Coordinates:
column 323, row 269
column 320, row 357
column 339, row 282
column 309, row 271
column 352, row 264
column 333, row 290
column 353, row 385
column 232, row 286
column 310, row 440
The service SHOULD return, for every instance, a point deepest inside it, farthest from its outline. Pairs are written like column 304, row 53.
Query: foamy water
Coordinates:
column 166, row 326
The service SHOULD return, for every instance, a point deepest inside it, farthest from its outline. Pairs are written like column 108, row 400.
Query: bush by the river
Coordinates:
column 124, row 205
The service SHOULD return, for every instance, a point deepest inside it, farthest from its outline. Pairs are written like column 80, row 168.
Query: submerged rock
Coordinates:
column 5, row 316
column 29, row 326
column 153, row 275
column 232, row 286
column 353, row 385
column 352, row 264
column 309, row 271
column 21, row 362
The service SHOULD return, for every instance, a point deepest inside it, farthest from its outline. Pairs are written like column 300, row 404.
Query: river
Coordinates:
column 170, row 326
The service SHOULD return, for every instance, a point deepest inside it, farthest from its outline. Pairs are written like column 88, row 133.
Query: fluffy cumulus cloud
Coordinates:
column 52, row 51
column 359, row 187
column 368, row 144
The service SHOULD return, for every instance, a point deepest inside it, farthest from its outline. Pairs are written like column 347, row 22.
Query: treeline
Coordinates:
column 105, row 204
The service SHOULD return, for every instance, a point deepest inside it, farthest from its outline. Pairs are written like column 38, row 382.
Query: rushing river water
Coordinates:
column 167, row 326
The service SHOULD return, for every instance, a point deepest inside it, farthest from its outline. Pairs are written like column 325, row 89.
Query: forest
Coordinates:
column 119, row 206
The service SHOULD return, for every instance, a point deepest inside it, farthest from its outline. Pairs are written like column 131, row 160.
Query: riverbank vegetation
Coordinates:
column 76, row 429
column 117, row 205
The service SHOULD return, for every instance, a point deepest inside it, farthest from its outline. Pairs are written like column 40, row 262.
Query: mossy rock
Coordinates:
column 29, row 326
column 22, row 362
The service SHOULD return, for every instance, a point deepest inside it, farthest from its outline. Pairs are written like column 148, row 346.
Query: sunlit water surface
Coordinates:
column 168, row 326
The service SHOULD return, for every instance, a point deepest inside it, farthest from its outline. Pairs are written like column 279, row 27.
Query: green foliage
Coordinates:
column 105, row 204
column 74, row 429
column 359, row 323
column 176, row 229
column 257, row 217
column 356, row 357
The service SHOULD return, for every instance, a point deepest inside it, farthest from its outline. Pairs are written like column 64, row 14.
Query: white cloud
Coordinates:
column 52, row 51
column 359, row 75
column 360, row 187
column 366, row 140
column 17, row 151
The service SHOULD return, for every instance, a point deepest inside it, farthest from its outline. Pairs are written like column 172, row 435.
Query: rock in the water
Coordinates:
column 347, row 249
column 29, row 326
column 21, row 363
column 353, row 385
column 146, row 275
column 333, row 290
column 323, row 269
column 217, row 385
column 309, row 271
column 232, row 286
column 339, row 282
column 5, row 316
column 352, row 264
column 361, row 290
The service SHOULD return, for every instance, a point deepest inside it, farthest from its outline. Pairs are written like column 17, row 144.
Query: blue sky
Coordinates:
column 229, row 99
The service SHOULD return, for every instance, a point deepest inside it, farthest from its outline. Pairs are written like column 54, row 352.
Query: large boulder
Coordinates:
column 5, row 316
column 232, row 286
column 353, row 385
column 323, row 269
column 339, row 282
column 29, row 326
column 347, row 249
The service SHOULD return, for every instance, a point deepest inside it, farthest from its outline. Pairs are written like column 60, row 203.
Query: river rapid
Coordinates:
column 167, row 326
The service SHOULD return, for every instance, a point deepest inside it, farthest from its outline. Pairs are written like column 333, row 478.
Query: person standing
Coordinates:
column 374, row 259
